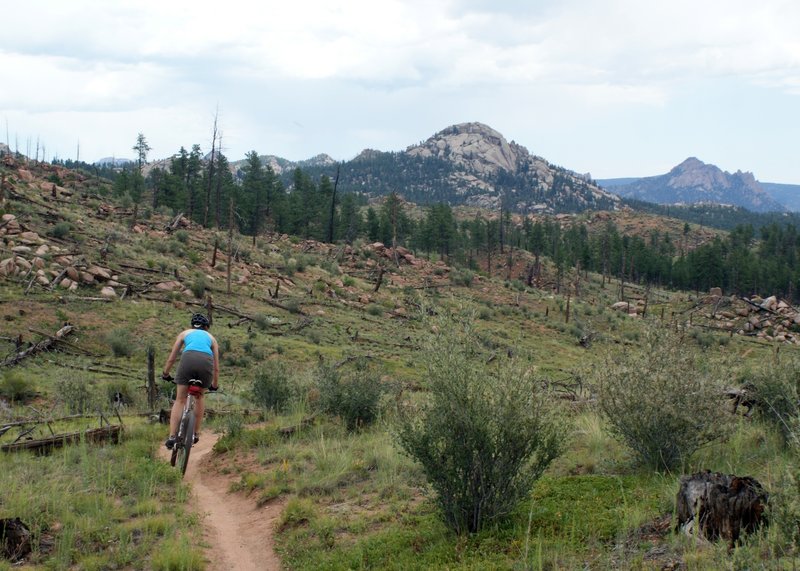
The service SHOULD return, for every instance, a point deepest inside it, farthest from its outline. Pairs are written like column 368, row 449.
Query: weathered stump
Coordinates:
column 720, row 506
column 15, row 539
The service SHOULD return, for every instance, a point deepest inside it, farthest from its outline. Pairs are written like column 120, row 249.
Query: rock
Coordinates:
column 30, row 238
column 23, row 264
column 717, row 291
column 87, row 278
column 66, row 283
column 25, row 175
column 621, row 306
column 7, row 217
column 42, row 250
column 169, row 286
column 38, row 263
column 8, row 267
column 754, row 321
column 63, row 260
column 73, row 274
column 108, row 293
column 378, row 246
column 742, row 311
column 42, row 280
column 73, row 286
column 21, row 249
column 99, row 272
column 748, row 327
column 770, row 303
column 780, row 338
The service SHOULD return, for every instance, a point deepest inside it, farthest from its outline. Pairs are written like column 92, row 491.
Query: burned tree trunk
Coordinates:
column 720, row 506
column 15, row 539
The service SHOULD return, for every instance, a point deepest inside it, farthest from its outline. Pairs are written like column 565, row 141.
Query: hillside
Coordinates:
column 295, row 312
column 693, row 182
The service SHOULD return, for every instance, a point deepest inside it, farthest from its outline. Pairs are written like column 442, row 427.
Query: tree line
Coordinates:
column 255, row 200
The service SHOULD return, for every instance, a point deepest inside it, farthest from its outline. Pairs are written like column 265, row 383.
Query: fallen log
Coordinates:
column 44, row 445
column 44, row 345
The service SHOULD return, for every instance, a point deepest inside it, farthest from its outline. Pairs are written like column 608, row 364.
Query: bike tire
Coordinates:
column 187, row 437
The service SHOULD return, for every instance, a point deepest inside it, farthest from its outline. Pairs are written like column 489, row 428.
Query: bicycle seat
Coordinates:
column 195, row 387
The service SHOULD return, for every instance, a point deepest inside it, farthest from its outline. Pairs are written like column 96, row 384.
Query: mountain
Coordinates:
column 471, row 164
column 786, row 194
column 283, row 166
column 693, row 182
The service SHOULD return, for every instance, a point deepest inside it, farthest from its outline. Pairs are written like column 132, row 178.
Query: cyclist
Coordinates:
column 200, row 360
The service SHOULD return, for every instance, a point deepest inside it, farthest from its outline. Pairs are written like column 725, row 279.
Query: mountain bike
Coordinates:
column 184, row 438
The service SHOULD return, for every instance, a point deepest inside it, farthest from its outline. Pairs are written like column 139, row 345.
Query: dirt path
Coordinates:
column 238, row 531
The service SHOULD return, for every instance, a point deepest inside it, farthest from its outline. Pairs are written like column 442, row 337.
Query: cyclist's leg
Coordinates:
column 177, row 408
column 199, row 407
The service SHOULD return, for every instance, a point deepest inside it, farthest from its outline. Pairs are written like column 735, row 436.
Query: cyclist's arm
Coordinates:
column 215, row 351
column 176, row 347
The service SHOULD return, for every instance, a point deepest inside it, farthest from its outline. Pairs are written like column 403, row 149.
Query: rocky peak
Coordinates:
column 474, row 146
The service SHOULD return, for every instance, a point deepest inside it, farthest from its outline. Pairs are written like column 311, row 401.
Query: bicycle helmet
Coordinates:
column 199, row 321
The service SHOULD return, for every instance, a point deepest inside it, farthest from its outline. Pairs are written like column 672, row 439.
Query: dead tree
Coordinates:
column 720, row 506
column 44, row 345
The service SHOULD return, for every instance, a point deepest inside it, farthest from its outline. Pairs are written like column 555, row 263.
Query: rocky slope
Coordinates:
column 694, row 181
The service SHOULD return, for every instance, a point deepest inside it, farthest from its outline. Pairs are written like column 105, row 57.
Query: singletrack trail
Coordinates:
column 240, row 533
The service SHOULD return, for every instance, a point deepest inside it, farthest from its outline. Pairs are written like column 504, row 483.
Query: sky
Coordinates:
column 615, row 88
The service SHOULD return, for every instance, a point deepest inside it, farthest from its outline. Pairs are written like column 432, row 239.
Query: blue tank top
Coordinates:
column 198, row 340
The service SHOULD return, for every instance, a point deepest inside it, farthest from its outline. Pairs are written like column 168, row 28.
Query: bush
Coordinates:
column 61, row 230
column 182, row 236
column 271, row 387
column 77, row 396
column 354, row 396
column 16, row 388
column 199, row 285
column 462, row 278
column 663, row 400
column 773, row 390
column 486, row 432
column 120, row 342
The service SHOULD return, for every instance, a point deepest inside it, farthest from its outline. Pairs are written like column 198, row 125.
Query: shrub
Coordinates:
column 775, row 395
column 354, row 396
column 120, row 342
column 662, row 400
column 375, row 309
column 77, row 396
column 484, row 435
column 272, row 386
column 182, row 236
column 462, row 278
column 16, row 388
column 61, row 230
column 199, row 285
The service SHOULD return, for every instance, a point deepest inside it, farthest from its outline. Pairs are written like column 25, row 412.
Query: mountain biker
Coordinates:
column 199, row 360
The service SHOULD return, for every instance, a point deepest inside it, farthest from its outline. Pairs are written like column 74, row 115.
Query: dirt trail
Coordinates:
column 238, row 531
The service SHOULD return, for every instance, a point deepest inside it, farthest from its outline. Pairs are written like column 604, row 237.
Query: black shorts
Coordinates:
column 195, row 365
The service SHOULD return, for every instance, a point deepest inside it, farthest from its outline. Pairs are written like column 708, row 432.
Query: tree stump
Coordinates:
column 720, row 506
column 15, row 539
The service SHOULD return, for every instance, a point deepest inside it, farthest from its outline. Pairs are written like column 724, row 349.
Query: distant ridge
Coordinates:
column 695, row 182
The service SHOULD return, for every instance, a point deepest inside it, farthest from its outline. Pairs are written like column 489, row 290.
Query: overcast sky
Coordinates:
column 612, row 87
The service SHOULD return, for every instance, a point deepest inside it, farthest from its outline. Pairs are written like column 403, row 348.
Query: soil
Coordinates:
column 239, row 534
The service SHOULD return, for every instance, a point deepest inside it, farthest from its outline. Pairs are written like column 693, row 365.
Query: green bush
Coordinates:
column 374, row 309
column 663, row 399
column 353, row 396
column 15, row 387
column 120, row 342
column 77, row 395
column 774, row 392
column 199, row 285
column 462, row 278
column 61, row 230
column 485, row 434
column 182, row 236
column 271, row 388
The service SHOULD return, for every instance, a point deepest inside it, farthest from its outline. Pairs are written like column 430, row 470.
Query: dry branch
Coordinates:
column 44, row 445
column 44, row 345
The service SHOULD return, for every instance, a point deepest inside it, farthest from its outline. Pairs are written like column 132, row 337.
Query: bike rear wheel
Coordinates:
column 185, row 441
